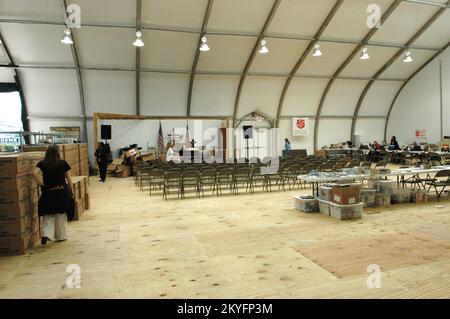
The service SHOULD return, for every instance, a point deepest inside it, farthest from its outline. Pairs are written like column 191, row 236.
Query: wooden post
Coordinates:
column 96, row 117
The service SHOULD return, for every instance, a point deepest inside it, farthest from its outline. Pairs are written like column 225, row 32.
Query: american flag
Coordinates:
column 160, row 139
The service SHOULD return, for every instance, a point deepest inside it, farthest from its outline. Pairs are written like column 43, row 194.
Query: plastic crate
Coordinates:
column 324, row 207
column 307, row 204
column 387, row 186
column 344, row 212
column 382, row 200
column 326, row 193
column 401, row 196
column 368, row 197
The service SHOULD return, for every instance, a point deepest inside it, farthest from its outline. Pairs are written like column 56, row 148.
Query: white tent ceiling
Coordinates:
column 219, row 86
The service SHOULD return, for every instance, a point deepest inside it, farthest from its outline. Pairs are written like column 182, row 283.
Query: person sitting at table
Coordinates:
column 416, row 147
column 376, row 146
column 393, row 145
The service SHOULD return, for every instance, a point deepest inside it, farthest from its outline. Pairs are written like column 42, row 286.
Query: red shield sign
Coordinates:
column 301, row 124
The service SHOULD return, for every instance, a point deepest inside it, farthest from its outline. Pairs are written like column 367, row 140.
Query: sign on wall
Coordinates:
column 300, row 126
column 421, row 134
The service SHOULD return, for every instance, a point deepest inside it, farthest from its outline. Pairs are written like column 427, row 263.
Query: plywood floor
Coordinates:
column 248, row 246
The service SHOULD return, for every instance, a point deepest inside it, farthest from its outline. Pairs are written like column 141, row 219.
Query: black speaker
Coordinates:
column 248, row 132
column 106, row 132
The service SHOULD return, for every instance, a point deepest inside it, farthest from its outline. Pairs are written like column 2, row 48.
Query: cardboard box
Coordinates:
column 11, row 182
column 123, row 171
column 346, row 194
column 34, row 193
column 87, row 202
column 13, row 229
column 13, row 197
column 13, row 164
column 14, row 212
column 16, row 246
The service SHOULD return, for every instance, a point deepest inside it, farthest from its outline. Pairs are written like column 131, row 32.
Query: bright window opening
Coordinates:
column 10, row 112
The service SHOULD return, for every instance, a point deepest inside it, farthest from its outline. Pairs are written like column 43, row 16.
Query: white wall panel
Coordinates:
column 109, row 92
column 297, row 142
column 333, row 131
column 6, row 75
column 164, row 94
column 282, row 57
column 300, row 17
column 379, row 98
column 367, row 68
column 168, row 50
column 417, row 107
column 303, row 96
column 404, row 23
column 36, row 44
column 370, row 130
column 51, row 92
column 227, row 54
column 342, row 97
column 214, row 95
column 350, row 22
column 261, row 94
column 402, row 70
column 174, row 13
column 445, row 60
column 3, row 58
column 107, row 11
column 437, row 34
column 238, row 15
column 47, row 10
column 108, row 47
column 333, row 56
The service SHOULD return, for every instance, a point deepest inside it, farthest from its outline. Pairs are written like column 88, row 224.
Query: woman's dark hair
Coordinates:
column 52, row 156
column 393, row 138
column 287, row 141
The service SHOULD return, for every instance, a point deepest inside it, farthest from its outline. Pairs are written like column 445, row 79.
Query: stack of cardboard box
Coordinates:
column 20, row 226
column 74, row 154
column 80, row 187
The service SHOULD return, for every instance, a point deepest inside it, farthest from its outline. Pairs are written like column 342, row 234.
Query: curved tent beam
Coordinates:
column 305, row 54
column 76, row 61
column 406, row 82
column 355, row 52
column 197, row 55
column 138, row 58
column 252, row 56
column 388, row 64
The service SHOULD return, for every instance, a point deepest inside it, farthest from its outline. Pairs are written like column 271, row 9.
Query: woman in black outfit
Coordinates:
column 394, row 144
column 102, row 160
column 57, row 194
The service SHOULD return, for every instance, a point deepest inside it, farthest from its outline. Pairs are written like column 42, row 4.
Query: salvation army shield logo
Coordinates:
column 301, row 124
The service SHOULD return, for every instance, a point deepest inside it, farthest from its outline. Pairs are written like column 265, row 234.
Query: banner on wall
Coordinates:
column 300, row 126
column 421, row 134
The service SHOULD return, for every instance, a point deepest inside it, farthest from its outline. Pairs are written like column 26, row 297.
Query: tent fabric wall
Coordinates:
column 419, row 104
column 171, row 36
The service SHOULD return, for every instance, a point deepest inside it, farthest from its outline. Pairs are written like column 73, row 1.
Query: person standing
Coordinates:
column 57, row 194
column 394, row 144
column 287, row 148
column 102, row 160
column 170, row 153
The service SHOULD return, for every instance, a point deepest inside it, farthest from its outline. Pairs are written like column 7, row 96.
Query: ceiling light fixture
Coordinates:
column 317, row 51
column 264, row 49
column 408, row 58
column 364, row 54
column 204, row 47
column 67, row 39
column 138, row 43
